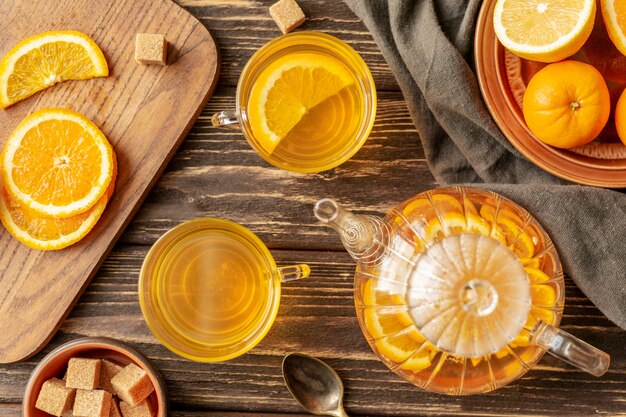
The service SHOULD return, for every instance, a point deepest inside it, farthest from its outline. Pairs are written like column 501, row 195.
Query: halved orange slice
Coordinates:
column 57, row 163
column 614, row 15
column 43, row 60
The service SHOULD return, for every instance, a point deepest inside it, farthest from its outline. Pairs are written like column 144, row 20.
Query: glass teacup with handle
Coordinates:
column 210, row 289
column 458, row 290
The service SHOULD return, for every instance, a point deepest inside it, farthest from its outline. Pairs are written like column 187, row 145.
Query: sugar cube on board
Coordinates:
column 108, row 370
column 287, row 15
column 96, row 403
column 55, row 398
column 151, row 49
column 143, row 409
column 132, row 384
column 83, row 373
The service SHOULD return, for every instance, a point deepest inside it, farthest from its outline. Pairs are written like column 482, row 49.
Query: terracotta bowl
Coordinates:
column 55, row 364
column 503, row 78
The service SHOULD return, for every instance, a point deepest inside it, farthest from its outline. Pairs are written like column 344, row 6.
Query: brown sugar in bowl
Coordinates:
column 55, row 363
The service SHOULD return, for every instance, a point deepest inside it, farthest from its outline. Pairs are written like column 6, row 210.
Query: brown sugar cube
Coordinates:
column 96, row 403
column 132, row 384
column 287, row 15
column 115, row 409
column 83, row 373
column 108, row 370
column 151, row 49
column 55, row 398
column 143, row 409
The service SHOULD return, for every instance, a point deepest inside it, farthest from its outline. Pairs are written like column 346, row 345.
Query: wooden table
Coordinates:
column 216, row 174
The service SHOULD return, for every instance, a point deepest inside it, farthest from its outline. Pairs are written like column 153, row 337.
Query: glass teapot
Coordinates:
column 458, row 290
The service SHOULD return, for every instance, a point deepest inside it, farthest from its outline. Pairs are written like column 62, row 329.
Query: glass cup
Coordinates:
column 209, row 289
column 331, row 131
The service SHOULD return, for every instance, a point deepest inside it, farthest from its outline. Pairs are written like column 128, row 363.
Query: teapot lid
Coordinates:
column 468, row 295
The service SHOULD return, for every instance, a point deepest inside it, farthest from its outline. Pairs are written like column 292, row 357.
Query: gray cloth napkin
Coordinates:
column 428, row 45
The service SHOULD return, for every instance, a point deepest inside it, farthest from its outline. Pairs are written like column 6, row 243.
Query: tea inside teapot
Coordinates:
column 458, row 290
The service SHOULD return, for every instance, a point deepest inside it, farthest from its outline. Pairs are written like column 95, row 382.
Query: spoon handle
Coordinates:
column 342, row 413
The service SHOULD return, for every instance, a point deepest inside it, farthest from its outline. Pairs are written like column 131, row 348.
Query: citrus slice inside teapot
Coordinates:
column 458, row 290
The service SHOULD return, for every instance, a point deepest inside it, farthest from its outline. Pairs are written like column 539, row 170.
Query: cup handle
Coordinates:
column 570, row 349
column 293, row 272
column 228, row 119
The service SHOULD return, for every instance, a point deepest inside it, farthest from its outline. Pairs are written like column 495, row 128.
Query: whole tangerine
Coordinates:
column 567, row 104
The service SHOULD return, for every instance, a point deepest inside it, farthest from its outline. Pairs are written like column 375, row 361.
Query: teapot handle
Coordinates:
column 570, row 349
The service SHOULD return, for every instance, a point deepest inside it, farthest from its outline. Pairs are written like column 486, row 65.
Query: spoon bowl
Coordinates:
column 314, row 384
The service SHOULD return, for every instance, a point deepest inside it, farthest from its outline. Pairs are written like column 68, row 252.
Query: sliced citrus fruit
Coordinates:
column 544, row 30
column 43, row 60
column 290, row 87
column 372, row 296
column 614, row 15
column 536, row 276
column 397, row 348
column 420, row 360
column 445, row 203
column 477, row 225
column 542, row 295
column 381, row 324
column 57, row 163
column 46, row 233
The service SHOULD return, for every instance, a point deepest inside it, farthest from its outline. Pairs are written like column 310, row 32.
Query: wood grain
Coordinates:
column 317, row 316
column 145, row 111
column 243, row 26
column 215, row 173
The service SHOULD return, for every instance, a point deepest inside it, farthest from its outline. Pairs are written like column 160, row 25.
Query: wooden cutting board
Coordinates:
column 145, row 111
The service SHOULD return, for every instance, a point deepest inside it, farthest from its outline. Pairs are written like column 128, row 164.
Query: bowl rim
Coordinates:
column 103, row 343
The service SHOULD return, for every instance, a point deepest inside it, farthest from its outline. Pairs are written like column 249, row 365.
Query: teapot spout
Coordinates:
column 364, row 237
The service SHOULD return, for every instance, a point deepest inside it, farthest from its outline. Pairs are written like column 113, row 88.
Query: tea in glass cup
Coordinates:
column 306, row 102
column 209, row 289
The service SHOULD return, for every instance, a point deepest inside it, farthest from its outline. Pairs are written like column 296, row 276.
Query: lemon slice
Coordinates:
column 544, row 30
column 289, row 88
column 614, row 15
column 43, row 60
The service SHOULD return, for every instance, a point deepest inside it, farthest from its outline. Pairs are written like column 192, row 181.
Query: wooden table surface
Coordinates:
column 216, row 174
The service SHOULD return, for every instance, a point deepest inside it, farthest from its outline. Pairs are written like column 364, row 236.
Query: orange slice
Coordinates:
column 288, row 88
column 536, row 276
column 372, row 296
column 46, row 233
column 381, row 324
column 544, row 30
column 57, row 163
column 614, row 15
column 43, row 60
column 397, row 348
column 420, row 360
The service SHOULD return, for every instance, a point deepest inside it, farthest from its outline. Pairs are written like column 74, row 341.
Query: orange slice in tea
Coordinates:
column 381, row 323
column 372, row 296
column 288, row 89
column 536, row 276
column 43, row 60
column 57, row 163
column 398, row 347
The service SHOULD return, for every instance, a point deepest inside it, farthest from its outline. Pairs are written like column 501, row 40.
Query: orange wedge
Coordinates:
column 57, row 163
column 43, row 60
column 614, row 15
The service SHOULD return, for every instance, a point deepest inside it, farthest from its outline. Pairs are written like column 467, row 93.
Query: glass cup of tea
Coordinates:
column 306, row 102
column 209, row 289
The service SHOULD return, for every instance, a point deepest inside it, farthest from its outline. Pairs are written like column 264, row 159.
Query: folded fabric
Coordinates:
column 428, row 45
